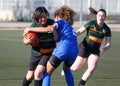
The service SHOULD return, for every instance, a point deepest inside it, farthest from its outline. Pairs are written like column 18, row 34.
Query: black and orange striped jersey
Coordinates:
column 47, row 43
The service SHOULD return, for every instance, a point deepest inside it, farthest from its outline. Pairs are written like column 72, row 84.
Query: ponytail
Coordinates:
column 92, row 11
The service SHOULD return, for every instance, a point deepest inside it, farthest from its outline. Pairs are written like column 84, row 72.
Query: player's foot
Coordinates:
column 62, row 73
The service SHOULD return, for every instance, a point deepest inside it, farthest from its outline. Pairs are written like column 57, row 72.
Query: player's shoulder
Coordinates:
column 90, row 23
column 106, row 26
column 34, row 24
column 50, row 21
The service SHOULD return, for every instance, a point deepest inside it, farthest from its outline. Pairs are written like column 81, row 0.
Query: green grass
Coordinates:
column 14, row 59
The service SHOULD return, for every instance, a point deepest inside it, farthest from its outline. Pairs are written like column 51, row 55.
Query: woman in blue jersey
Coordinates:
column 67, row 47
column 39, row 54
column 91, row 46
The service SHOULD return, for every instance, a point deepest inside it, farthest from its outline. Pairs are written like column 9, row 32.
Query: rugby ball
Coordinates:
column 31, row 38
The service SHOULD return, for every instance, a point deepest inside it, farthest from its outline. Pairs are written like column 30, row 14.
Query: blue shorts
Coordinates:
column 67, row 51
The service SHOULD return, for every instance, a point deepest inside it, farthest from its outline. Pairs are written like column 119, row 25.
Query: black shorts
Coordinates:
column 37, row 59
column 55, row 62
column 85, row 50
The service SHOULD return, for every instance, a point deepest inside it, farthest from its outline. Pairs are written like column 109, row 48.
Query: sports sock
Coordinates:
column 69, row 77
column 37, row 82
column 82, row 82
column 46, row 79
column 26, row 82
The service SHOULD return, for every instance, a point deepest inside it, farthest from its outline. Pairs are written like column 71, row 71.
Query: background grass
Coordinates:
column 14, row 59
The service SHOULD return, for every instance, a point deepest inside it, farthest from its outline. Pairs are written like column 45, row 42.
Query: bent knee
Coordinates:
column 30, row 76
column 38, row 75
column 74, row 69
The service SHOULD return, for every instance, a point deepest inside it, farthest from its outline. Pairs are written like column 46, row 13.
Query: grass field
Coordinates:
column 14, row 58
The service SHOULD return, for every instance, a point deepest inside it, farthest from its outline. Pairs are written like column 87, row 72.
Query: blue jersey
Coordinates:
column 67, row 47
column 65, row 30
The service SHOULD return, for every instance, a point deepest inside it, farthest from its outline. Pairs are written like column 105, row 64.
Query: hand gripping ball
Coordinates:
column 32, row 39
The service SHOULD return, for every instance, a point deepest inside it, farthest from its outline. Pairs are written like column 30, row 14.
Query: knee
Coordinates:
column 38, row 75
column 30, row 76
column 50, row 68
column 74, row 69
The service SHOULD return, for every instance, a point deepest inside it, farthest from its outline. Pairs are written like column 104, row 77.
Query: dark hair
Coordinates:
column 66, row 13
column 102, row 11
column 37, row 13
column 93, row 11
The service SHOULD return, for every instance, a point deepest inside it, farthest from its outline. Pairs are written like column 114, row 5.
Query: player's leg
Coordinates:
column 34, row 59
column 38, row 75
column 47, row 75
column 92, row 63
column 71, row 55
column 68, row 75
column 78, row 63
column 69, row 60
column 62, row 73
column 80, row 59
column 28, row 78
column 52, row 64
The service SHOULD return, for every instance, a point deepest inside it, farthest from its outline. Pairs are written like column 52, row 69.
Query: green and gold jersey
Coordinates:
column 35, row 49
column 95, row 33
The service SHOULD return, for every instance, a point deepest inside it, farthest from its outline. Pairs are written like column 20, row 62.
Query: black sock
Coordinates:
column 26, row 82
column 38, row 82
column 82, row 82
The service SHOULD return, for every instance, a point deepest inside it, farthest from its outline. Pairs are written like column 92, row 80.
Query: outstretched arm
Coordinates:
column 81, row 30
column 36, row 29
column 105, row 47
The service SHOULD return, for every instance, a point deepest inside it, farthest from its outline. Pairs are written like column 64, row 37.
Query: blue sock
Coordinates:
column 46, row 79
column 69, row 77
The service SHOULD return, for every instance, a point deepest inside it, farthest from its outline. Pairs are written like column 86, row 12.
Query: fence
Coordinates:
column 23, row 9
